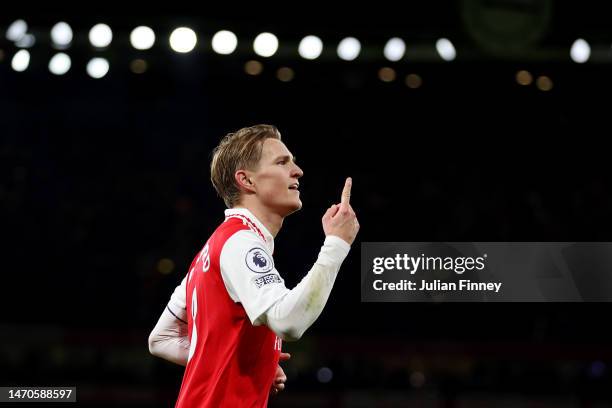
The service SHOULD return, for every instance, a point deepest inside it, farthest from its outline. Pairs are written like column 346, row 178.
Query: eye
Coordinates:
column 281, row 162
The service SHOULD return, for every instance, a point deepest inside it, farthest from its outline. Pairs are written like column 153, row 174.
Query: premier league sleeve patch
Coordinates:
column 267, row 279
column 259, row 261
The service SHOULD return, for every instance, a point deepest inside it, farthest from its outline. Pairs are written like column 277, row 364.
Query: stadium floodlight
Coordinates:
column 580, row 51
column 100, row 35
column 59, row 64
column 21, row 60
column 183, row 40
column 26, row 41
column 265, row 44
column 349, row 48
column 61, row 35
column 395, row 49
column 224, row 42
column 446, row 49
column 97, row 67
column 310, row 47
column 142, row 38
column 16, row 30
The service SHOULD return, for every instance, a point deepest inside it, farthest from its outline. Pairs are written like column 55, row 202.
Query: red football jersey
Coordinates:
column 232, row 363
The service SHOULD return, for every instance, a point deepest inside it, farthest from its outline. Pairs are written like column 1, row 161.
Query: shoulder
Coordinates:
column 246, row 247
column 239, row 229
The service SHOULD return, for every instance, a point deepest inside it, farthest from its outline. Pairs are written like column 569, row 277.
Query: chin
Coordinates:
column 296, row 206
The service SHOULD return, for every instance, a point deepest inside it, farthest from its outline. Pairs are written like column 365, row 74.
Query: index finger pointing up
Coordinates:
column 346, row 193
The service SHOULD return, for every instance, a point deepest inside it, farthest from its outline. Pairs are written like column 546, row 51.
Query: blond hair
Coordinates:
column 240, row 150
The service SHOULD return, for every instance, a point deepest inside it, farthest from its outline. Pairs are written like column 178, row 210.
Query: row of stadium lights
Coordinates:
column 183, row 40
column 98, row 67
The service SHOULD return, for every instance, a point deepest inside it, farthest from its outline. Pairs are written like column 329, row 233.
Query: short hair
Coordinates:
column 237, row 151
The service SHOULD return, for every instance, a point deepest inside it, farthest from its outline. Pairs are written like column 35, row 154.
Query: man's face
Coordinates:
column 276, row 178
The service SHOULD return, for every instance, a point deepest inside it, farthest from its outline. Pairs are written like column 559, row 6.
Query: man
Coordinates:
column 237, row 305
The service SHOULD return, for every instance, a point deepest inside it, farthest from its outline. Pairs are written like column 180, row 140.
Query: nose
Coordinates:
column 297, row 172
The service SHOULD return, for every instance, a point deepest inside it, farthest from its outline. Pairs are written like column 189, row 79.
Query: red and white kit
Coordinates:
column 238, row 308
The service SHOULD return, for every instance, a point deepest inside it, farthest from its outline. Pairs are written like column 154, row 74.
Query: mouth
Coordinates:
column 294, row 186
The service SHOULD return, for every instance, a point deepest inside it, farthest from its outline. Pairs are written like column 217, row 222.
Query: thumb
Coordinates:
column 331, row 211
column 284, row 356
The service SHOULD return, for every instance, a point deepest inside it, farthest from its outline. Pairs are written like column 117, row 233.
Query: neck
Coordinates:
column 272, row 221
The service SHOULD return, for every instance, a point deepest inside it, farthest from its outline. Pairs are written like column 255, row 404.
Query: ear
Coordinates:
column 243, row 179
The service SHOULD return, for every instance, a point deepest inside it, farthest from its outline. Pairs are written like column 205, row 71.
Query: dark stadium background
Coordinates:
column 102, row 179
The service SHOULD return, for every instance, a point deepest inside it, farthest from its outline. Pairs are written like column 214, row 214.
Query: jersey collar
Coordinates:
column 260, row 228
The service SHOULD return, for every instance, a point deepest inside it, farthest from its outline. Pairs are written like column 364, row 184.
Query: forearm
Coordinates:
column 295, row 312
column 169, row 339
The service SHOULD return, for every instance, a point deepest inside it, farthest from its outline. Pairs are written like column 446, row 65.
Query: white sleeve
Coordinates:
column 249, row 274
column 177, row 303
column 169, row 338
column 251, row 279
column 291, row 315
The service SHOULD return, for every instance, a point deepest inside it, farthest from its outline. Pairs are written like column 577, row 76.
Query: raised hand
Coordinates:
column 340, row 219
